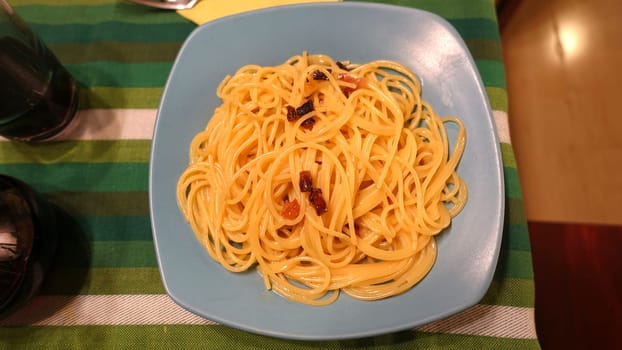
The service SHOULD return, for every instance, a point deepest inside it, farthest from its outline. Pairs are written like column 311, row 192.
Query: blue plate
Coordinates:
column 357, row 32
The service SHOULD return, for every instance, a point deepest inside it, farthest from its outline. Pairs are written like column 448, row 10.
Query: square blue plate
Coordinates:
column 360, row 33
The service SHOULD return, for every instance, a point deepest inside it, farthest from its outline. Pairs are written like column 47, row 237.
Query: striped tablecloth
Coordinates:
column 104, row 289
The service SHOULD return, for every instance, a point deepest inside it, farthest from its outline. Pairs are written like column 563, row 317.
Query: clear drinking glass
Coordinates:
column 38, row 97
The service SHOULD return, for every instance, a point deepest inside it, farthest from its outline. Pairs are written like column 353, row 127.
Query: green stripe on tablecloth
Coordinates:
column 476, row 28
column 152, row 33
column 485, row 49
column 222, row 337
column 518, row 237
column 449, row 8
column 510, row 292
column 512, row 183
column 125, row 151
column 109, row 254
column 72, row 281
column 113, row 97
column 150, row 74
column 515, row 227
column 101, row 203
column 116, row 228
column 113, row 31
column 120, row 11
column 71, row 53
column 514, row 264
column 492, row 72
column 93, row 177
column 507, row 153
column 498, row 98
column 516, row 211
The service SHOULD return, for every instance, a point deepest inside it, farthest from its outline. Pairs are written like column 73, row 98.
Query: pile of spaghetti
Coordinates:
column 327, row 176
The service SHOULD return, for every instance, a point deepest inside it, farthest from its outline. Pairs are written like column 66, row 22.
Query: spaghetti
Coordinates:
column 326, row 176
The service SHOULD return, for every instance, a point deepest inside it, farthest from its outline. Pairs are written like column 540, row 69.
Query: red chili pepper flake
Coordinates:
column 359, row 82
column 308, row 124
column 305, row 108
column 319, row 75
column 315, row 194
column 348, row 78
column 294, row 114
column 347, row 90
column 290, row 209
column 291, row 114
column 318, row 202
column 305, row 183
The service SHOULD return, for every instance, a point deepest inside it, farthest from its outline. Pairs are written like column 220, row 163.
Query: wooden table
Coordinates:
column 105, row 288
column 578, row 284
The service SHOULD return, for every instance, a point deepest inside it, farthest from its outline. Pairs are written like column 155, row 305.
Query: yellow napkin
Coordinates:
column 207, row 10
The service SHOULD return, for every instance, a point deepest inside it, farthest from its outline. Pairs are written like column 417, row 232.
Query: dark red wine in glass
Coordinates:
column 38, row 96
column 28, row 239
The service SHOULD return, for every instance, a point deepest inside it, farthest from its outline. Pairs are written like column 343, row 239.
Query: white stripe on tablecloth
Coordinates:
column 488, row 320
column 150, row 309
column 111, row 124
column 137, row 124
column 141, row 309
column 503, row 126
